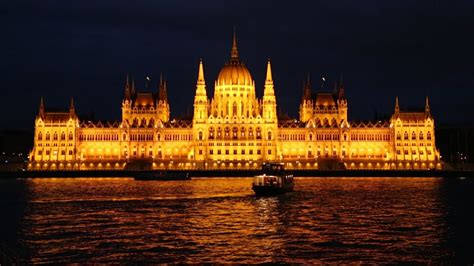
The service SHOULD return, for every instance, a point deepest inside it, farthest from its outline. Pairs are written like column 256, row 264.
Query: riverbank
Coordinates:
column 245, row 173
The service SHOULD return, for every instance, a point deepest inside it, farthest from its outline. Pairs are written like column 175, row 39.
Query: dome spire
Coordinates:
column 234, row 53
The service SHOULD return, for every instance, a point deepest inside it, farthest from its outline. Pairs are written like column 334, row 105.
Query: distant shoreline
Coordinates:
column 243, row 173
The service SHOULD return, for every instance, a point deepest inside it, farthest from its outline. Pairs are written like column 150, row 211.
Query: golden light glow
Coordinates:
column 234, row 129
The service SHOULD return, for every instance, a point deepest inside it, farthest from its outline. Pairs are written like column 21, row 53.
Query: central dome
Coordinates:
column 234, row 72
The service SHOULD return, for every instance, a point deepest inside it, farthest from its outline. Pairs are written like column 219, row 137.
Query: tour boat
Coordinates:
column 272, row 181
column 161, row 175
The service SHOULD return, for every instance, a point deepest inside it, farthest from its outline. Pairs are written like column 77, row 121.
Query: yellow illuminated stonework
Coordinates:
column 234, row 130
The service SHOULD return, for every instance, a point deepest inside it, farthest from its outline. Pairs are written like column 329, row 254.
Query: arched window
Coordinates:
column 143, row 124
column 158, row 136
column 251, row 132
column 55, row 136
column 269, row 135
column 211, row 133
column 345, row 137
column 70, row 136
column 310, row 136
column 227, row 132
column 135, row 122
column 152, row 122
column 413, row 136
column 219, row 133
column 40, row 136
column 428, row 135
column 399, row 136
column 235, row 132
column 124, row 137
column 63, row 136
column 242, row 132
column 405, row 136
column 421, row 135
column 259, row 133
column 200, row 135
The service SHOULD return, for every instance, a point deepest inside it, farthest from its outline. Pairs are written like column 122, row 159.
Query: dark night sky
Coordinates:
column 59, row 49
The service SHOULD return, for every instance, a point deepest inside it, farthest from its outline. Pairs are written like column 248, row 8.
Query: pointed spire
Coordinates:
column 269, row 78
column 127, row 88
column 269, row 90
column 427, row 105
column 72, row 109
column 133, row 86
column 341, row 89
column 397, row 107
column 162, row 90
column 201, row 80
column 307, row 88
column 41, row 108
column 234, row 53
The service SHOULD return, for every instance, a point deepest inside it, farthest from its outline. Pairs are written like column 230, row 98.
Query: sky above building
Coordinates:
column 84, row 49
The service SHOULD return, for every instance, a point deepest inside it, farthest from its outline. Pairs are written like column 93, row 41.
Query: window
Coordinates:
column 269, row 135
column 310, row 136
column 234, row 133
column 70, row 152
column 428, row 135
column 243, row 151
column 259, row 133
column 405, row 136
column 40, row 136
column 421, row 135
column 399, row 137
column 63, row 152
column 63, row 136
column 211, row 133
column 413, row 136
column 55, row 136
column 200, row 135
column 269, row 152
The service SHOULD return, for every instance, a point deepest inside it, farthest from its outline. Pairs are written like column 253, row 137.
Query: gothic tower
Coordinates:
column 163, row 107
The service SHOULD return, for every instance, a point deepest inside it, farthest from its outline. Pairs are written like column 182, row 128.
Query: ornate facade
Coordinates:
column 234, row 130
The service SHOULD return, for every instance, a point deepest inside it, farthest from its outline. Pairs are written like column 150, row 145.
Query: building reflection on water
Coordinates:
column 377, row 220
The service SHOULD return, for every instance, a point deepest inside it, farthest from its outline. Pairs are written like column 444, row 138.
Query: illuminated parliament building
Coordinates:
column 234, row 130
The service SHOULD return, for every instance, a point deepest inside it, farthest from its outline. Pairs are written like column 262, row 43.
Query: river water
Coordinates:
column 219, row 220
